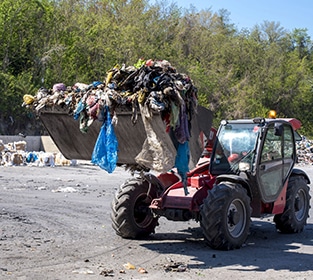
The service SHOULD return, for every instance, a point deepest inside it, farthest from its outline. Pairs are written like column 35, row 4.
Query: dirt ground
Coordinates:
column 55, row 224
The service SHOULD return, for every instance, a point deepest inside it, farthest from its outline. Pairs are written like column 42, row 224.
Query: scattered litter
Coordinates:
column 3, row 269
column 129, row 266
column 142, row 270
column 83, row 271
column 65, row 190
column 175, row 267
column 107, row 272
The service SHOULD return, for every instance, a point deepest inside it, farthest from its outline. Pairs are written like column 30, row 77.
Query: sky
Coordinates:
column 290, row 14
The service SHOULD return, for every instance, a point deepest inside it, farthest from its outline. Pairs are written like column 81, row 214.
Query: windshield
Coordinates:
column 235, row 142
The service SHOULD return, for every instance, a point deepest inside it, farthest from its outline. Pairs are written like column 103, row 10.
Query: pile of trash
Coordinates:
column 305, row 151
column 16, row 154
column 148, row 87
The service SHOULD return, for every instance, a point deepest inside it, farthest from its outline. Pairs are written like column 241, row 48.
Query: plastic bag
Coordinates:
column 79, row 108
column 182, row 162
column 182, row 159
column 105, row 150
column 59, row 87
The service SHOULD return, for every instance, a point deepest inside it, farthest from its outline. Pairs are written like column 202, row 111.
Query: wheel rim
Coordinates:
column 236, row 218
column 300, row 205
column 142, row 213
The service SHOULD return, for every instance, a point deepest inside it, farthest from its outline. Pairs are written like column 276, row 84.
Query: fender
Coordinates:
column 299, row 172
column 235, row 179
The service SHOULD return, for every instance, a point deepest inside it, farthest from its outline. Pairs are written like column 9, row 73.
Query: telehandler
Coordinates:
column 249, row 173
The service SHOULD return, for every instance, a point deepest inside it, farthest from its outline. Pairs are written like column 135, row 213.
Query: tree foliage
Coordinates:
column 238, row 73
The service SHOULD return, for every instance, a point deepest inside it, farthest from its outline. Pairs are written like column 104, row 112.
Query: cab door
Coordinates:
column 276, row 160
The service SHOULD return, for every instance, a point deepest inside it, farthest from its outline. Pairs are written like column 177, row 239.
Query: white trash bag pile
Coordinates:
column 16, row 154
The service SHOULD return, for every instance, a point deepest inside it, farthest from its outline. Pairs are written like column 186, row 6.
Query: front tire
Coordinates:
column 225, row 216
column 131, row 216
column 296, row 211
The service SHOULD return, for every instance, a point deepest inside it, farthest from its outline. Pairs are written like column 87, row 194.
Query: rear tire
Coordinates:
column 131, row 216
column 225, row 216
column 296, row 211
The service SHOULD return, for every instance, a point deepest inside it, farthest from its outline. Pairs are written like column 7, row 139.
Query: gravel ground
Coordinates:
column 55, row 224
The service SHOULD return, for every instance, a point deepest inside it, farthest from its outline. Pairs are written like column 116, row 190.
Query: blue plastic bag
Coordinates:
column 182, row 158
column 105, row 150
column 182, row 162
column 80, row 107
column 31, row 157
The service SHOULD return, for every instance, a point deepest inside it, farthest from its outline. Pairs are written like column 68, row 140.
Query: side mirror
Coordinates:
column 279, row 129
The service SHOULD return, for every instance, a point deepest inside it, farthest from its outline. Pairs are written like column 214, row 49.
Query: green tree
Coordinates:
column 238, row 74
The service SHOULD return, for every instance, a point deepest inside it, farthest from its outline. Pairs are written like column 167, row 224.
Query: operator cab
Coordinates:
column 235, row 143
column 264, row 149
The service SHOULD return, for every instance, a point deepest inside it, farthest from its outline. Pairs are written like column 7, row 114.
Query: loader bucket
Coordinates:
column 73, row 144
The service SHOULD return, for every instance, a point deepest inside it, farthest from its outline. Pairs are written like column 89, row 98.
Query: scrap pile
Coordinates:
column 148, row 87
column 12, row 153
column 305, row 151
column 16, row 154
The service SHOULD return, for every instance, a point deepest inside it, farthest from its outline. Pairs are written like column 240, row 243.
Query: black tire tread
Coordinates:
column 286, row 222
column 122, row 206
column 213, row 211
